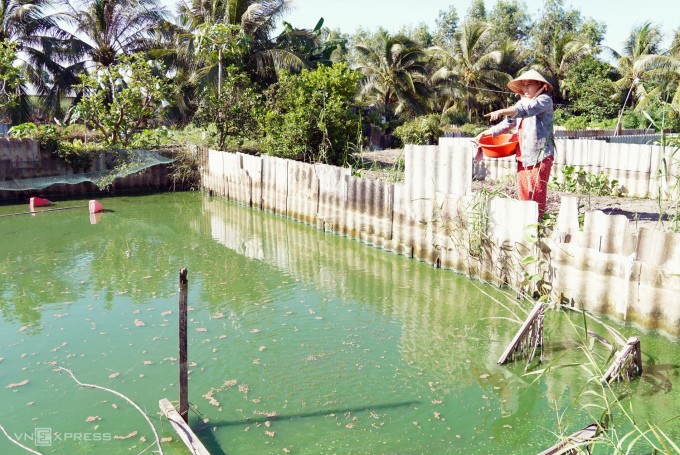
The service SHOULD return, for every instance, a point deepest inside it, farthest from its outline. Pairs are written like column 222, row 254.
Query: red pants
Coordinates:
column 532, row 183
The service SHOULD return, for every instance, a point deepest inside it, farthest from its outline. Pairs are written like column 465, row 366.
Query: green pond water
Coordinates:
column 300, row 341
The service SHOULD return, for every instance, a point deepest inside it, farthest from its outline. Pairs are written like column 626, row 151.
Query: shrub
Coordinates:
column 46, row 135
column 607, row 124
column 77, row 154
column 235, row 112
column 468, row 129
column 78, row 131
column 456, row 118
column 576, row 122
column 560, row 116
column 118, row 100
column 578, row 180
column 185, row 172
column 659, row 115
column 633, row 119
column 202, row 136
column 26, row 130
column 309, row 116
column 150, row 138
column 422, row 130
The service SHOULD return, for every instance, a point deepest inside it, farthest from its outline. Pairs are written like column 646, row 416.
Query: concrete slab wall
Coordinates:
column 368, row 211
column 606, row 267
column 332, row 194
column 637, row 167
column 614, row 269
column 252, row 165
column 302, row 202
column 22, row 160
column 19, row 152
column 274, row 184
column 216, row 175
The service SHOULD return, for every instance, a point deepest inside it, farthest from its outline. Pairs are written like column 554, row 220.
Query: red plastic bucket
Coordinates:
column 500, row 146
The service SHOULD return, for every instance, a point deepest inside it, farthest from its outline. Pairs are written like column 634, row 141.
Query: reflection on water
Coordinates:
column 300, row 341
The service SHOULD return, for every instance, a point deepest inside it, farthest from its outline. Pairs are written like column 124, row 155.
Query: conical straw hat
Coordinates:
column 531, row 75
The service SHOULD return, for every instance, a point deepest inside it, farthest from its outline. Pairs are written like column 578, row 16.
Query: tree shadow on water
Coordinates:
column 207, row 437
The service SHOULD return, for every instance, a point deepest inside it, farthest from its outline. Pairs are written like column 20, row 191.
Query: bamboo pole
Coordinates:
column 530, row 334
column 583, row 437
column 183, row 430
column 628, row 361
column 183, row 375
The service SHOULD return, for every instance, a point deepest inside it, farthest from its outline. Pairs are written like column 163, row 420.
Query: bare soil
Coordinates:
column 384, row 165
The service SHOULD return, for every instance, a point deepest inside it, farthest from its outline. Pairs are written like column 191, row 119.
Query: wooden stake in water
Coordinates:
column 185, row 432
column 582, row 438
column 183, row 376
column 528, row 339
column 628, row 362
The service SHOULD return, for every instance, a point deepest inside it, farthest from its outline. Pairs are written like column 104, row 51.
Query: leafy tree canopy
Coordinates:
column 121, row 98
column 9, row 77
column 235, row 110
column 420, row 34
column 592, row 93
column 510, row 20
column 477, row 11
column 446, row 27
column 309, row 116
column 555, row 20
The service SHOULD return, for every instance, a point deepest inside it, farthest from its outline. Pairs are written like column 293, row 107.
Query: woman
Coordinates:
column 532, row 117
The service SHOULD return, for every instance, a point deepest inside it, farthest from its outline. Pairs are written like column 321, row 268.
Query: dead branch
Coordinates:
column 28, row 449
column 132, row 403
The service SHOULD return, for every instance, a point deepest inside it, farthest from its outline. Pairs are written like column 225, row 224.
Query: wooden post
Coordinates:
column 183, row 376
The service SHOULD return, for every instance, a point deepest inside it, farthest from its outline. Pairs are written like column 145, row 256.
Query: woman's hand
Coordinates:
column 495, row 115
column 478, row 150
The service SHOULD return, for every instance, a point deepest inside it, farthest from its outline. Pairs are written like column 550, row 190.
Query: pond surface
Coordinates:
column 300, row 341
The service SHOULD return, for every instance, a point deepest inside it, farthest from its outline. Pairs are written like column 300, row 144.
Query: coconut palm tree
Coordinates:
column 639, row 59
column 447, row 89
column 395, row 73
column 255, row 17
column 254, row 22
column 564, row 50
column 314, row 47
column 103, row 30
column 52, row 79
column 659, row 77
column 473, row 68
column 243, row 39
column 674, row 56
column 94, row 33
column 675, row 44
column 20, row 19
column 25, row 23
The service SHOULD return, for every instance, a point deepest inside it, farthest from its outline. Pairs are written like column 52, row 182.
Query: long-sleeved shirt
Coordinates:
column 536, row 139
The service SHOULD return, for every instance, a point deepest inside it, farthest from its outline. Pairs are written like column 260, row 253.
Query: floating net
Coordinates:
column 135, row 161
